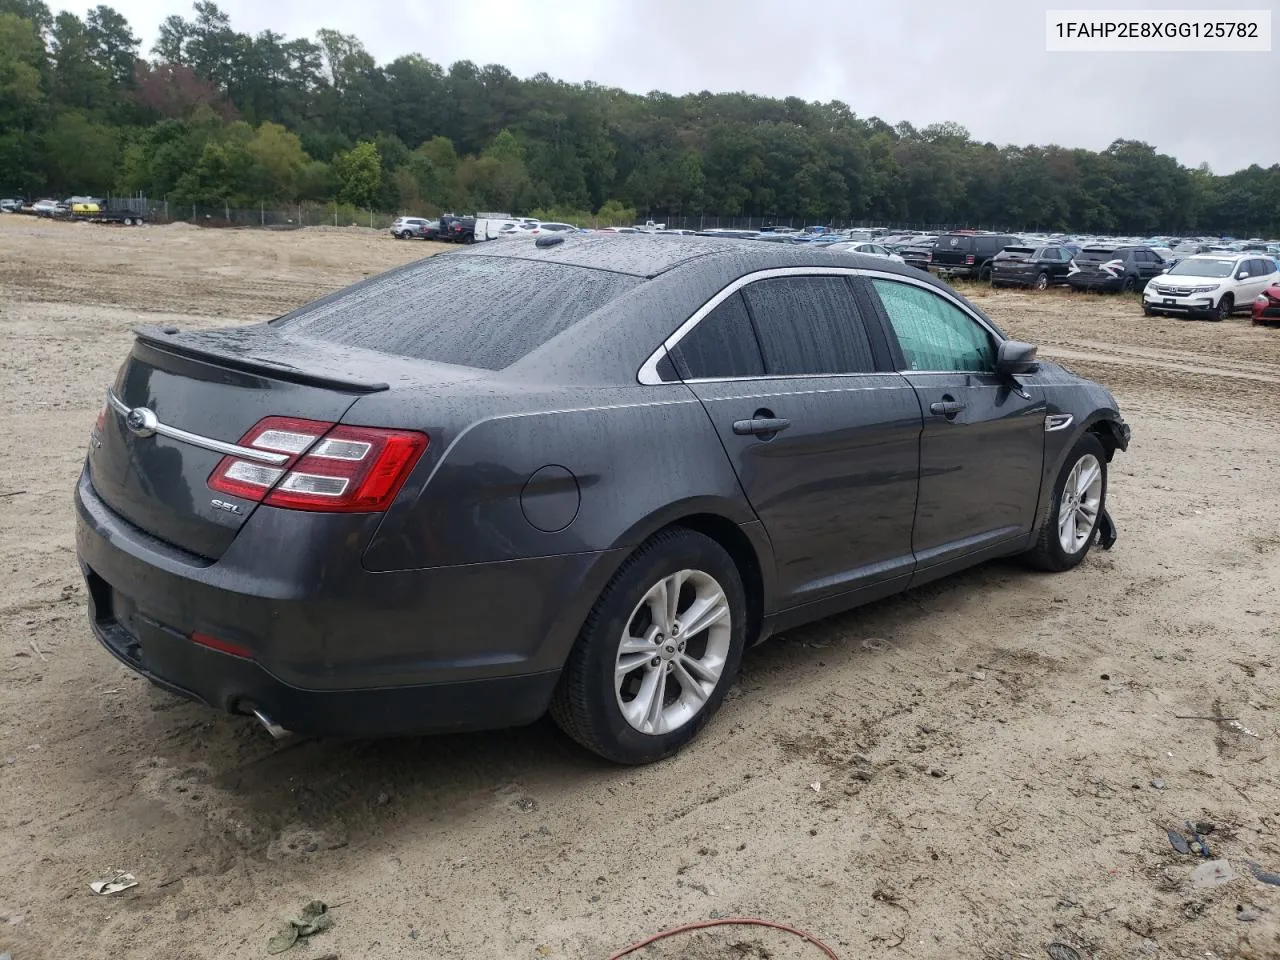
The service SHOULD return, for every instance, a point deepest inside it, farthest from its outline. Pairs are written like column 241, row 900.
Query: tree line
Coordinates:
column 214, row 117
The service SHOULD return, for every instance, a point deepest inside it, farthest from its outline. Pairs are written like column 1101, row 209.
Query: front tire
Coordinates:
column 658, row 651
column 1079, row 497
column 1223, row 310
column 1146, row 310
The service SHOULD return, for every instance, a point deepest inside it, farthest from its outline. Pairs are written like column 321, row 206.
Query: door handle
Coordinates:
column 760, row 426
column 948, row 407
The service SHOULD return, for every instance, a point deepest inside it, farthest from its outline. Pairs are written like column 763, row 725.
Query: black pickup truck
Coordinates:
column 967, row 254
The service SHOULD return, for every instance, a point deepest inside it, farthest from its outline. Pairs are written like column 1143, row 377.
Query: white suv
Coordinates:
column 1209, row 284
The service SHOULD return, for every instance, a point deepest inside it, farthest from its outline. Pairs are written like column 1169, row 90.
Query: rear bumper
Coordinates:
column 334, row 649
column 1097, row 284
column 952, row 270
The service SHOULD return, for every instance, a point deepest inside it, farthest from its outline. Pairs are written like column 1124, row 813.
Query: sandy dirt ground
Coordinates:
column 981, row 768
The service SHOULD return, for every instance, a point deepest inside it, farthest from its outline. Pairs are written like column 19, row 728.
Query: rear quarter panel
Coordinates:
column 636, row 455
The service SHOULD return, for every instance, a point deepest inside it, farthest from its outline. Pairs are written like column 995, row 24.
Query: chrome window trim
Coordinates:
column 648, row 373
column 205, row 443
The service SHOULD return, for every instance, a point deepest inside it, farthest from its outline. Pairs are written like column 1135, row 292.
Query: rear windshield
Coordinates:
column 476, row 311
column 954, row 243
column 1097, row 253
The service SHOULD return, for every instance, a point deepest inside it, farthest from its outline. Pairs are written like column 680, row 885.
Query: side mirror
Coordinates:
column 1015, row 357
column 1242, row 275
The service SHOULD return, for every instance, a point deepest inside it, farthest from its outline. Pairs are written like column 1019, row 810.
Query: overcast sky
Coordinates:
column 982, row 64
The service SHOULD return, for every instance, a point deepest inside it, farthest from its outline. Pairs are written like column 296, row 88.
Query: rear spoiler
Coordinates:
column 164, row 338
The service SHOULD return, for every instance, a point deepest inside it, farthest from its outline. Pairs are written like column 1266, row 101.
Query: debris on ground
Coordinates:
column 1062, row 951
column 1264, row 876
column 315, row 918
column 115, row 882
column 1177, row 841
column 1213, row 873
column 1246, row 914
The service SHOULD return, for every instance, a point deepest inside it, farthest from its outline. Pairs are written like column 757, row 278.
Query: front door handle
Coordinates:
column 760, row 426
column 948, row 407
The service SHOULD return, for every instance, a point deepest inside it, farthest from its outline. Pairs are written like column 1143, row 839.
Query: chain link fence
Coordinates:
column 344, row 215
column 273, row 217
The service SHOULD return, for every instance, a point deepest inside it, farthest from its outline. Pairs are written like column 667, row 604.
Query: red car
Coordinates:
column 1266, row 305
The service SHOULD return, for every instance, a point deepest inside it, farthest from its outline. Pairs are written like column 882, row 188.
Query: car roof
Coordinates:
column 650, row 255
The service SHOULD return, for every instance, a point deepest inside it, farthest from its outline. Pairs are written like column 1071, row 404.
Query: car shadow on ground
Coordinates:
column 341, row 791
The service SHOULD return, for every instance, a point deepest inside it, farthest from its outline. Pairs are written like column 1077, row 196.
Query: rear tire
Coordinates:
column 984, row 273
column 648, row 712
column 1223, row 309
column 1065, row 537
column 1129, row 285
column 1042, row 281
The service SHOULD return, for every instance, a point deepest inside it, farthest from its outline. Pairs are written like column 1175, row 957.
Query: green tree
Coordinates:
column 113, row 44
column 79, row 82
column 81, row 154
column 278, row 160
column 358, row 174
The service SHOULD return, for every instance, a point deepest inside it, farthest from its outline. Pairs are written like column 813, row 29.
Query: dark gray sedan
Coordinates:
column 579, row 474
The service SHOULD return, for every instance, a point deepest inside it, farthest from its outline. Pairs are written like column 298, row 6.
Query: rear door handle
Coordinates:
column 946, row 408
column 760, row 426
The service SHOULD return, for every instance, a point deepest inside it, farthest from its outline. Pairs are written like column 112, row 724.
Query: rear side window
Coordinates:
column 476, row 311
column 809, row 326
column 723, row 344
column 935, row 335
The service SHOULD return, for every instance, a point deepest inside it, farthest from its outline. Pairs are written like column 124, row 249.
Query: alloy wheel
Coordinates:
column 672, row 652
column 1079, row 505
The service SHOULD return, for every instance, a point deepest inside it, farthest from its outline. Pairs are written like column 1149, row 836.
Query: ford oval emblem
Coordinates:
column 141, row 422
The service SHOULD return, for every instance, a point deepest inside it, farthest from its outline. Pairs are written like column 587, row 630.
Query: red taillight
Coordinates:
column 339, row 469
column 222, row 646
column 969, row 260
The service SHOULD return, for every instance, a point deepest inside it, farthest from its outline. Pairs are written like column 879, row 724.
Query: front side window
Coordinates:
column 809, row 326
column 935, row 335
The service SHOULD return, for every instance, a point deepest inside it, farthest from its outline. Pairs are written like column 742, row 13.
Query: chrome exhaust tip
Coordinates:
column 277, row 732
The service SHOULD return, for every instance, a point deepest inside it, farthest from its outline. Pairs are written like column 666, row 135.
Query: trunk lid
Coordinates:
column 215, row 386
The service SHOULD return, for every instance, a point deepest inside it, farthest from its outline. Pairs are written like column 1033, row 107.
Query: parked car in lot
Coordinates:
column 611, row 465
column 967, row 254
column 1113, row 268
column 419, row 228
column 1035, row 267
column 455, row 229
column 1266, row 305
column 45, row 208
column 918, row 252
column 10, row 206
column 868, row 248
column 1210, row 285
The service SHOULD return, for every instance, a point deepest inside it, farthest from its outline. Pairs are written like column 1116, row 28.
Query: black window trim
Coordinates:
column 648, row 372
column 866, row 299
